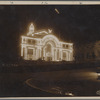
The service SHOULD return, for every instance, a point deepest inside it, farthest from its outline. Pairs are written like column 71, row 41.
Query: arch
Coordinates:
column 50, row 38
column 52, row 43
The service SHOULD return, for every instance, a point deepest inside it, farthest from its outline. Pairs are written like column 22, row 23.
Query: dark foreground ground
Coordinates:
column 82, row 81
column 13, row 85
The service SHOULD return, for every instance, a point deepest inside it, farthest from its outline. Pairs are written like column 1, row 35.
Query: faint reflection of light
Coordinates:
column 98, row 74
column 57, row 11
column 69, row 94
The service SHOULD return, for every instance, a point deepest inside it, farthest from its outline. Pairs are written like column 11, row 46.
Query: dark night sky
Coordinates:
column 77, row 24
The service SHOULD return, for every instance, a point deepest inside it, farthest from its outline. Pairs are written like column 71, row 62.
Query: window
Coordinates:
column 93, row 54
column 87, row 55
column 66, row 46
column 24, row 40
column 63, row 45
column 33, row 41
column 29, row 41
column 64, row 55
column 30, row 51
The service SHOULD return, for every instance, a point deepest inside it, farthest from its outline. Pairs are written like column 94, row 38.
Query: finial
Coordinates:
column 31, row 29
column 49, row 30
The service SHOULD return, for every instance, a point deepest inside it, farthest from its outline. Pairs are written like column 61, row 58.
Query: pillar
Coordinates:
column 21, row 50
column 61, row 54
column 66, row 56
column 53, row 54
column 26, row 53
column 40, row 53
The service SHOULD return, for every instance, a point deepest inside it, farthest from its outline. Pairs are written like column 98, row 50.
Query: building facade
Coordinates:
column 44, row 45
column 88, row 52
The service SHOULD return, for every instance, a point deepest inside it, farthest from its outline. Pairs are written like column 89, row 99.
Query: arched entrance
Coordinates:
column 48, row 51
column 50, row 46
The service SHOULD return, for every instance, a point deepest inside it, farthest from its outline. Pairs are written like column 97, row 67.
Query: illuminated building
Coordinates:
column 44, row 45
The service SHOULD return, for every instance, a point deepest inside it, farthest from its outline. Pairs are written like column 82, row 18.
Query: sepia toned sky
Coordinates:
column 77, row 24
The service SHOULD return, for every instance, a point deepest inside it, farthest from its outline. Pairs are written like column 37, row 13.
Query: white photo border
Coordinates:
column 50, row 3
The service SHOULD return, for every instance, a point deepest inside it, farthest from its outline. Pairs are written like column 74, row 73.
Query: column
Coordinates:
column 36, row 51
column 26, row 53
column 40, row 53
column 37, row 54
column 33, row 54
column 66, row 56
column 44, row 54
column 55, row 54
column 21, row 50
column 61, row 54
column 71, row 56
column 22, row 39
